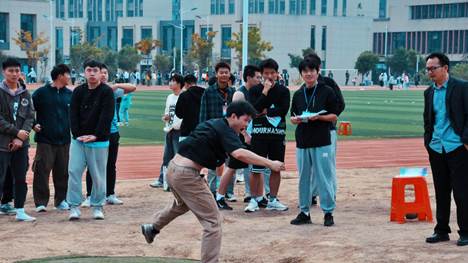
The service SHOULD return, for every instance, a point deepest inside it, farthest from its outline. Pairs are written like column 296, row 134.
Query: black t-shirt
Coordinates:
column 313, row 133
column 208, row 144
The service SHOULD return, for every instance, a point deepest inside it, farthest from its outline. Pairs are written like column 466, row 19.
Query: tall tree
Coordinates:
column 366, row 62
column 145, row 46
column 30, row 45
column 201, row 50
column 128, row 58
column 296, row 59
column 460, row 71
column 398, row 62
column 257, row 46
column 163, row 63
column 82, row 52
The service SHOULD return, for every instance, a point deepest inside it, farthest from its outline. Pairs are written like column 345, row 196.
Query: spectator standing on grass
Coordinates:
column 52, row 105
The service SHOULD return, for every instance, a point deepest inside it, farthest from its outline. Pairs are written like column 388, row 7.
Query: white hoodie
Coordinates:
column 174, row 122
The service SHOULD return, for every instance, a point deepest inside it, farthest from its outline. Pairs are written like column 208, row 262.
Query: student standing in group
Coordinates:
column 206, row 146
column 91, row 113
column 252, row 77
column 52, row 105
column 271, row 100
column 314, row 142
column 16, row 121
column 213, row 105
column 171, row 128
column 119, row 90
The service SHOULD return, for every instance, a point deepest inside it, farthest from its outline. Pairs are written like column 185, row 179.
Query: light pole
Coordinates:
column 245, row 32
column 182, row 36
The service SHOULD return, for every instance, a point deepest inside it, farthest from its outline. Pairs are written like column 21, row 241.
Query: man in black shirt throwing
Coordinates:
column 191, row 192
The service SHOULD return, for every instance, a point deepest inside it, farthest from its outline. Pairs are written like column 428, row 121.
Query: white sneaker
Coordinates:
column 86, row 202
column 97, row 213
column 74, row 213
column 41, row 208
column 240, row 176
column 252, row 206
column 63, row 206
column 23, row 217
column 276, row 205
column 231, row 198
column 113, row 200
column 156, row 184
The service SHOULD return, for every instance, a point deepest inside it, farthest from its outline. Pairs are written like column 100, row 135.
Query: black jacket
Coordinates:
column 188, row 109
column 52, row 107
column 91, row 111
column 277, row 104
column 456, row 102
column 340, row 103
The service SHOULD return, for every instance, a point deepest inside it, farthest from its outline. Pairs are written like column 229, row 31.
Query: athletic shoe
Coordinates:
column 166, row 187
column 22, row 216
column 97, row 213
column 149, row 232
column 252, row 206
column 276, row 205
column 314, row 200
column 263, row 203
column 63, row 206
column 75, row 213
column 40, row 209
column 113, row 200
column 240, row 176
column 156, row 184
column 231, row 198
column 7, row 209
column 328, row 219
column 222, row 205
column 247, row 199
column 301, row 219
column 86, row 202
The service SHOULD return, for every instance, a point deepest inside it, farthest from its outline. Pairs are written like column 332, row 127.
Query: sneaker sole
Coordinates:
column 149, row 241
column 73, row 218
column 98, row 218
column 25, row 220
column 277, row 209
column 251, row 211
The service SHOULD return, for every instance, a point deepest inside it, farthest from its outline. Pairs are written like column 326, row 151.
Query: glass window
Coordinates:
column 424, row 12
column 293, row 7
column 434, row 41
column 335, row 7
column 140, row 8
column 75, row 36
column 112, row 38
column 324, row 38
column 382, row 8
column 119, row 8
column 221, row 7
column 127, row 37
column 146, row 33
column 204, row 31
column 99, row 10
column 80, row 8
column 28, row 24
column 282, row 7
column 398, row 40
column 345, row 3
column 212, row 7
column 130, row 8
column 456, row 39
column 312, row 7
column 312, row 37
column 225, row 36
column 58, row 45
column 4, row 24
column 232, row 7
column 323, row 9
column 94, row 34
column 60, row 8
column 271, row 7
column 303, row 7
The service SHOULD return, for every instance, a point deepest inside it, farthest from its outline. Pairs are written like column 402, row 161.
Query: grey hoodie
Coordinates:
column 16, row 113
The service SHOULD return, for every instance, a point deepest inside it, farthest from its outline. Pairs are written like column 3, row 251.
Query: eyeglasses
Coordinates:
column 432, row 69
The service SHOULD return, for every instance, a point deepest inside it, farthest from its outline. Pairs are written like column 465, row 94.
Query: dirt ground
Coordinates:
column 362, row 232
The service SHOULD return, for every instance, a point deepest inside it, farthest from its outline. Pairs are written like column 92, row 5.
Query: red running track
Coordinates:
column 143, row 162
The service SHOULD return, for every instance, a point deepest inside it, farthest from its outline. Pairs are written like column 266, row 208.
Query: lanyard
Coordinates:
column 312, row 98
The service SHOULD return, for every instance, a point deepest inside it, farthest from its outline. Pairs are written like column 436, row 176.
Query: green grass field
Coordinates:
column 373, row 114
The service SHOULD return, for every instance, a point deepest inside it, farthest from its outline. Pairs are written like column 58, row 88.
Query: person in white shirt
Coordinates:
column 171, row 128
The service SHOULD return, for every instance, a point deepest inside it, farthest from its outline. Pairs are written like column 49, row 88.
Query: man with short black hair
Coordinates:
column 91, row 113
column 271, row 100
column 218, row 137
column 52, row 105
column 214, row 103
column 16, row 121
column 446, row 140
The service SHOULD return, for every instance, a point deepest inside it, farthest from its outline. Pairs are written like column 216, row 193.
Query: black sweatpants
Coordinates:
column 18, row 162
column 450, row 172
column 111, row 172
